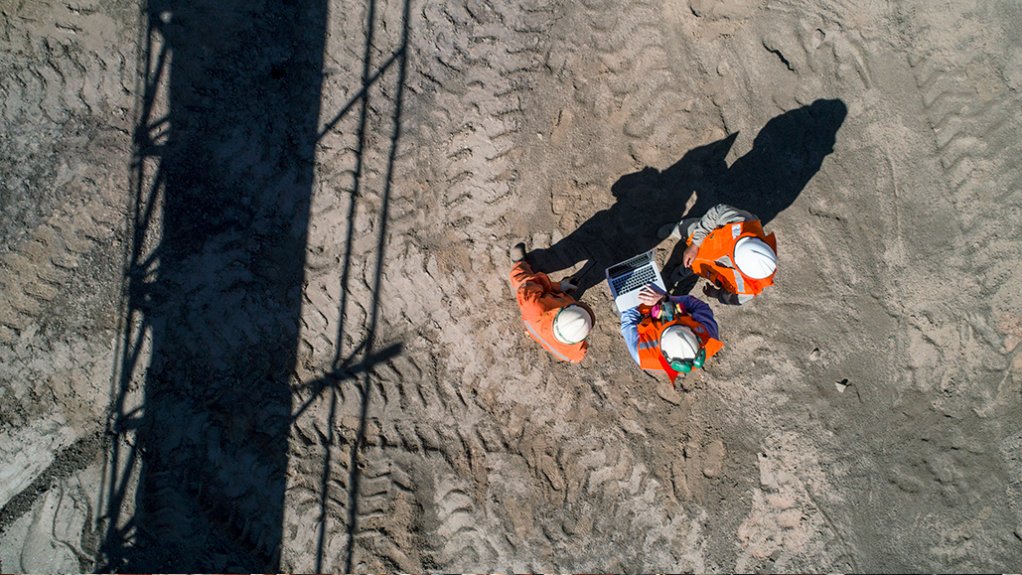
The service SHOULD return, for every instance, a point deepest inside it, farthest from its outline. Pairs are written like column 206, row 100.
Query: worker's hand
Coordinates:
column 650, row 296
column 710, row 290
column 689, row 255
column 567, row 286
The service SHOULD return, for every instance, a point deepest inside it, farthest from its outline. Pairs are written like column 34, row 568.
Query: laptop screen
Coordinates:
column 628, row 265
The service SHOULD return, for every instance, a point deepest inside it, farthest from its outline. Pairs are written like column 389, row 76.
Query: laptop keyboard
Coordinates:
column 635, row 280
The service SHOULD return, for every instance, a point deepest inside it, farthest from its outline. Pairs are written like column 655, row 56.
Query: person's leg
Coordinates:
column 677, row 231
column 679, row 274
column 687, row 226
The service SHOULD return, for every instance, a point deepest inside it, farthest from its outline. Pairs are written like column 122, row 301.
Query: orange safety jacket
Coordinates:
column 650, row 330
column 539, row 300
column 715, row 258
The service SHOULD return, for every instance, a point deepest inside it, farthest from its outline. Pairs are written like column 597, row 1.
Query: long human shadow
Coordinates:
column 786, row 154
column 196, row 472
column 629, row 226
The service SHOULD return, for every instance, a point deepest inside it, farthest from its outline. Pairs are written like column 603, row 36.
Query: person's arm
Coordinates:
column 521, row 273
column 534, row 282
column 630, row 331
column 700, row 311
column 717, row 216
column 530, row 289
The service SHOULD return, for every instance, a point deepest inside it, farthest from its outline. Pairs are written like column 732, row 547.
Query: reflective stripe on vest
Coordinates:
column 739, row 281
column 546, row 345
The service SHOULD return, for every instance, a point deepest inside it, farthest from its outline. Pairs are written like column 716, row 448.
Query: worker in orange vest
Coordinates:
column 673, row 334
column 552, row 316
column 729, row 248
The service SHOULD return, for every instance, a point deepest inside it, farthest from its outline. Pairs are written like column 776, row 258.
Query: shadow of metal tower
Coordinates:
column 223, row 173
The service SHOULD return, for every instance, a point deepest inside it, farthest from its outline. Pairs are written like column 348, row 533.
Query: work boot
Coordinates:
column 517, row 252
column 669, row 231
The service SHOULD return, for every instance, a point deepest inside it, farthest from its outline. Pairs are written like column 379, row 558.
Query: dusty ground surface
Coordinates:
column 254, row 309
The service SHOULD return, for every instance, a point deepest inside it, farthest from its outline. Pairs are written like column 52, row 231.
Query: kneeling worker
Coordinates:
column 674, row 334
column 728, row 247
column 552, row 316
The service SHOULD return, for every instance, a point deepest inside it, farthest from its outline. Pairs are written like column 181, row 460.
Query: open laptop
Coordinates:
column 628, row 277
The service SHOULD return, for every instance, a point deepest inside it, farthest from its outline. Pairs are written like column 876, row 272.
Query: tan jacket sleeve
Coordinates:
column 717, row 216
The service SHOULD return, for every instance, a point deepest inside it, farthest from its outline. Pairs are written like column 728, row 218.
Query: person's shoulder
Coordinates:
column 689, row 299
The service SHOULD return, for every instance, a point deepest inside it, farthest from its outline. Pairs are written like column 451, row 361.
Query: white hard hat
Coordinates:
column 678, row 342
column 755, row 258
column 572, row 324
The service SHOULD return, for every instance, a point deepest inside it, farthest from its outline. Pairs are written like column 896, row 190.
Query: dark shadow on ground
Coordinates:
column 786, row 154
column 223, row 185
column 196, row 473
column 629, row 226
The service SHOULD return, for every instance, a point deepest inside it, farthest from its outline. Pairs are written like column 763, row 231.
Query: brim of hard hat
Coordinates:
column 566, row 341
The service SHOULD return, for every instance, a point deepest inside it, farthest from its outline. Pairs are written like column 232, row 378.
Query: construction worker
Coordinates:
column 552, row 316
column 729, row 248
column 673, row 334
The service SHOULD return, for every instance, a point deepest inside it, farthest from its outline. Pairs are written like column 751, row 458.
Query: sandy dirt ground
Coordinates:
column 254, row 309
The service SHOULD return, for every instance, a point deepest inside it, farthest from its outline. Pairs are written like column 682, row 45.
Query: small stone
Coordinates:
column 668, row 394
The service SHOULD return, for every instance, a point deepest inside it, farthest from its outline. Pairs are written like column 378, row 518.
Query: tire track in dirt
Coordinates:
column 223, row 507
column 37, row 270
column 66, row 90
column 650, row 99
column 400, row 465
column 611, row 490
column 476, row 84
column 977, row 136
column 975, row 131
column 623, row 71
column 67, row 76
column 64, row 111
column 479, row 131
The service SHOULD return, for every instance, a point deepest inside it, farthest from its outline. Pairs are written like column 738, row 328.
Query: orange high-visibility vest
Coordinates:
column 540, row 308
column 649, row 340
column 541, row 328
column 715, row 258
